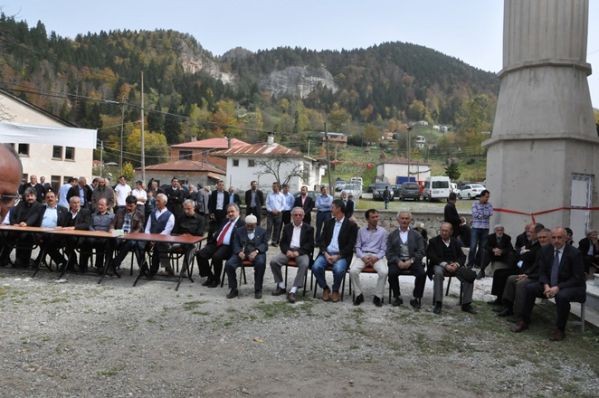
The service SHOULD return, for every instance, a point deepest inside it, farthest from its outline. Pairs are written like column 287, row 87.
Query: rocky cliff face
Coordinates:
column 297, row 80
column 194, row 60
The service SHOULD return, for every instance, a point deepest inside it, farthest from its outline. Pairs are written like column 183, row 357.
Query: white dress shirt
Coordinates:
column 295, row 237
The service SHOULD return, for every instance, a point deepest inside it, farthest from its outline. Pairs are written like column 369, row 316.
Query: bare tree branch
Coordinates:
column 273, row 166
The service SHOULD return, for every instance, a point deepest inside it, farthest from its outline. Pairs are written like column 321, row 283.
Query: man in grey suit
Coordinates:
column 405, row 250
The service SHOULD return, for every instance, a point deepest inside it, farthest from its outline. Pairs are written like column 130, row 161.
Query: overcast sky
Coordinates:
column 467, row 29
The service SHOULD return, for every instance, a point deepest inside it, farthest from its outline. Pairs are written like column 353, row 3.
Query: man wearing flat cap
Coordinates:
column 249, row 244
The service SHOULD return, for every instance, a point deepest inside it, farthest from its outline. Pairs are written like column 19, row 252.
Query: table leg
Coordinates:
column 185, row 266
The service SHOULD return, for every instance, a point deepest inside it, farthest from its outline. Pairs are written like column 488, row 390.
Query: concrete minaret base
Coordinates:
column 544, row 150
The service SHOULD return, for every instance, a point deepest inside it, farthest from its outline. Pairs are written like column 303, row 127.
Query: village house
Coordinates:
column 47, row 145
column 193, row 162
column 267, row 162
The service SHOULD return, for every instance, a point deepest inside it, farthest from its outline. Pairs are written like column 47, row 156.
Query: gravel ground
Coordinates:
column 80, row 339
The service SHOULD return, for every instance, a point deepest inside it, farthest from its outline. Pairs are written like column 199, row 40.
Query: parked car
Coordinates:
column 379, row 188
column 410, row 190
column 471, row 191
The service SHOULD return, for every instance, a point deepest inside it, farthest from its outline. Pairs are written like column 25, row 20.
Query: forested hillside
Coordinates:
column 189, row 92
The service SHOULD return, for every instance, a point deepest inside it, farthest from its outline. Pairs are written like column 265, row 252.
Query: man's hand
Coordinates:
column 253, row 255
column 241, row 255
column 291, row 254
column 497, row 251
column 451, row 267
column 22, row 224
column 552, row 292
column 522, row 277
column 404, row 264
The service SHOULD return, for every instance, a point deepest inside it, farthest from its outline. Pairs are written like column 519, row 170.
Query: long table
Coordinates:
column 187, row 241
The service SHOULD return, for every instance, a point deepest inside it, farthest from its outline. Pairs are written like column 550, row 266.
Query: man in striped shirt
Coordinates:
column 481, row 213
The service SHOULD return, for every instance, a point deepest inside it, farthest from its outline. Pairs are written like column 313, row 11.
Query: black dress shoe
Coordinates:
column 291, row 297
column 397, row 301
column 506, row 312
column 232, row 294
column 480, row 275
column 557, row 335
column 377, row 301
column 469, row 308
column 278, row 291
column 208, row 282
column 258, row 295
column 437, row 308
column 359, row 299
column 520, row 327
column 415, row 303
column 213, row 284
column 498, row 309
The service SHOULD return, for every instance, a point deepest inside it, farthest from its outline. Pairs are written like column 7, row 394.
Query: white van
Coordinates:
column 437, row 188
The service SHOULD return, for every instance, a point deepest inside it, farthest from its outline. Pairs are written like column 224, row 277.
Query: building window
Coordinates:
column 23, row 149
column 55, row 183
column 251, row 163
column 235, row 162
column 184, row 155
column 57, row 152
column 69, row 153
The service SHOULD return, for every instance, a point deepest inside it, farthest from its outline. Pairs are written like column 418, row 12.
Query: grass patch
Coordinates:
column 192, row 305
column 113, row 371
column 280, row 308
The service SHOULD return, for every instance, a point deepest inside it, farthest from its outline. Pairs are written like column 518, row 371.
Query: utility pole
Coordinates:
column 101, row 158
column 143, row 147
column 409, row 150
column 326, row 142
column 122, row 127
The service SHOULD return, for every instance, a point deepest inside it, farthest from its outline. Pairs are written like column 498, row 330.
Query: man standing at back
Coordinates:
column 254, row 200
column 275, row 204
column 305, row 202
column 481, row 213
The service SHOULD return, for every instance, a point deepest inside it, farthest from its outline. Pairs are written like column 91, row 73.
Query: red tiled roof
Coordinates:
column 260, row 150
column 185, row 165
column 211, row 143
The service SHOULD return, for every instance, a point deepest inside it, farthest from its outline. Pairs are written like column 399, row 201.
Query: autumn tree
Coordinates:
column 282, row 168
column 156, row 147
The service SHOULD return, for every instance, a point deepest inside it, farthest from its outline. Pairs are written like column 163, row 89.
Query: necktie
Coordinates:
column 555, row 268
column 221, row 236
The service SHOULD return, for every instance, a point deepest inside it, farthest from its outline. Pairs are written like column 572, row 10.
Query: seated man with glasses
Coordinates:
column 10, row 176
column 25, row 214
column 130, row 220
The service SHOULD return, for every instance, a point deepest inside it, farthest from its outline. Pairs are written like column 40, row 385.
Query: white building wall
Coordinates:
column 391, row 171
column 240, row 176
column 39, row 161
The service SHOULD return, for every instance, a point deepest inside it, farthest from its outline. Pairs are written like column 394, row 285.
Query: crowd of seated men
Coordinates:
column 542, row 263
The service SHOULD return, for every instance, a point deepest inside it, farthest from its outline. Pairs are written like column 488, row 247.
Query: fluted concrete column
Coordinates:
column 544, row 135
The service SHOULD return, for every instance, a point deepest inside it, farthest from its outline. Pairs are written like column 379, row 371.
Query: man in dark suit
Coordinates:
column 305, row 202
column 522, row 239
column 446, row 258
column 514, row 293
column 296, row 243
column 39, row 188
column 450, row 214
column 175, row 195
column 349, row 204
column 249, row 243
column 25, row 214
column 254, row 200
column 336, row 250
column 405, row 250
column 499, row 251
column 219, row 247
column 234, row 197
column 589, row 249
column 561, row 277
column 51, row 216
column 217, row 204
column 131, row 220
column 83, row 191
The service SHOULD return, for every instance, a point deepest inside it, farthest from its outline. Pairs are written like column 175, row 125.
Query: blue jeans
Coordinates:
column 319, row 267
column 479, row 236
